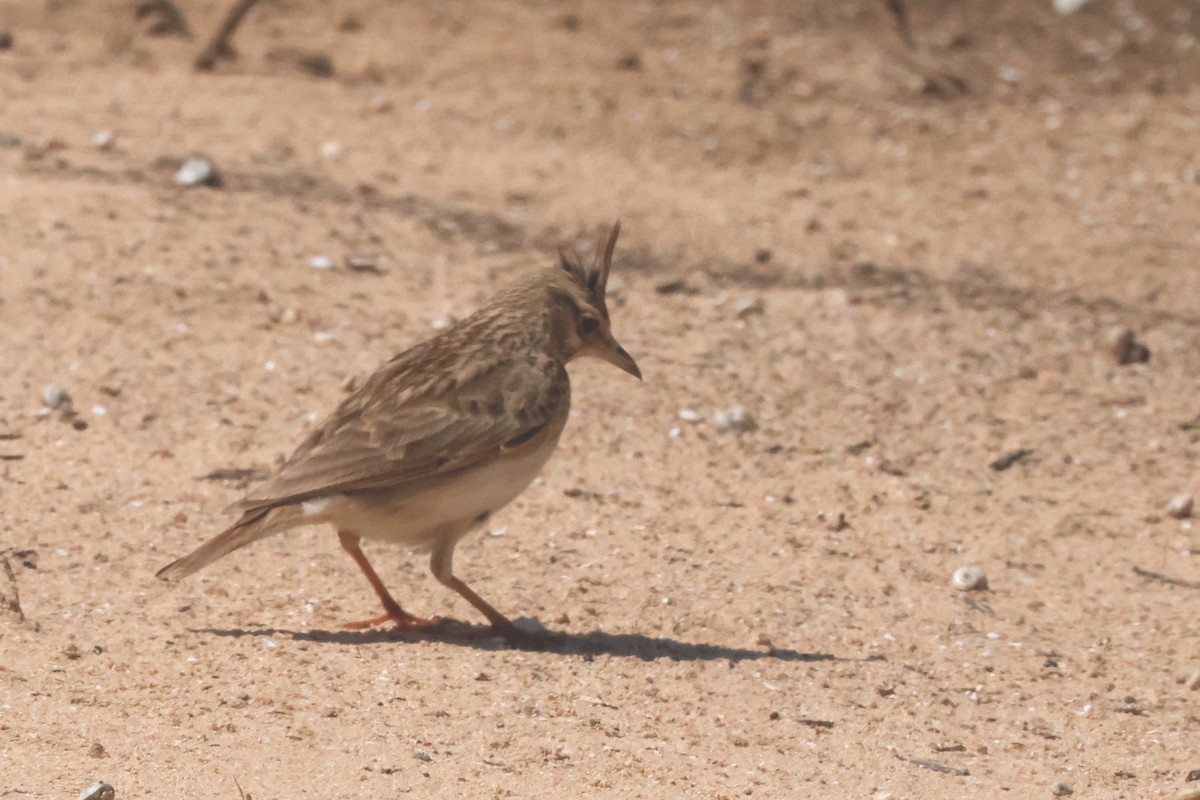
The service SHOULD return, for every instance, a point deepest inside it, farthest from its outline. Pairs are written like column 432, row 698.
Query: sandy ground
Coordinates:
column 905, row 263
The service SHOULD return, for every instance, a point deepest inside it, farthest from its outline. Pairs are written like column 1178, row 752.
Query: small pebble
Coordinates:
column 1180, row 506
column 197, row 172
column 1125, row 348
column 321, row 262
column 333, row 149
column 1192, row 681
column 690, row 415
column 441, row 323
column 285, row 315
column 362, row 264
column 380, row 104
column 969, row 579
column 750, row 306
column 1065, row 7
column 98, row 791
column 103, row 139
column 54, row 396
column 1061, row 790
column 734, row 418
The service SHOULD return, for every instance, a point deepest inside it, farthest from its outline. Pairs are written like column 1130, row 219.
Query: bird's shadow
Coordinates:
column 588, row 645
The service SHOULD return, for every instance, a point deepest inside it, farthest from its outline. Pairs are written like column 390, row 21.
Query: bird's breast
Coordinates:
column 444, row 505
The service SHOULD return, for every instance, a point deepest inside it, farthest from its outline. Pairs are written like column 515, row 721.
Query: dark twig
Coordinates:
column 10, row 598
column 1167, row 579
column 900, row 12
column 1008, row 459
column 935, row 766
column 219, row 46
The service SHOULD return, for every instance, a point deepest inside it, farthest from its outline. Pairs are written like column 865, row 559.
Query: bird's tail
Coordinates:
column 254, row 525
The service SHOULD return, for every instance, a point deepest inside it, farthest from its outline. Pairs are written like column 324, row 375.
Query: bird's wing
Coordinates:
column 396, row 431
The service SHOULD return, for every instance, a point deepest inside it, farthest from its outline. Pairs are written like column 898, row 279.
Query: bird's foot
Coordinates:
column 403, row 621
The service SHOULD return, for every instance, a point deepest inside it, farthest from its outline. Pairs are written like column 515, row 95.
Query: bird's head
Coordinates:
column 579, row 323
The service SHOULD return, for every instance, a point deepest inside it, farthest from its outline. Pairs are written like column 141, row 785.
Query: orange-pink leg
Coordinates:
column 441, row 565
column 395, row 613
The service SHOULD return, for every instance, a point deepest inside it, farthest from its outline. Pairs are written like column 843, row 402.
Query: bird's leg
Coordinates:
column 395, row 613
column 441, row 564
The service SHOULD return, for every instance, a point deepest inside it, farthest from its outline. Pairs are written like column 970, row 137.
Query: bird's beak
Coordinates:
column 616, row 355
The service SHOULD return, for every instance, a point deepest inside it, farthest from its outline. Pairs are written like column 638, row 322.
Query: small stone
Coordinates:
column 54, row 396
column 734, row 418
column 1192, row 681
column 98, row 791
column 1125, row 348
column 97, row 750
column 363, row 264
column 750, row 306
column 969, row 579
column 285, row 315
column 333, row 149
column 1180, row 506
column 317, row 65
column 631, row 61
column 443, row 321
column 1065, row 7
column 321, row 262
column 763, row 255
column 103, row 139
column 380, row 104
column 690, row 415
column 1010, row 74
column 1061, row 790
column 198, row 172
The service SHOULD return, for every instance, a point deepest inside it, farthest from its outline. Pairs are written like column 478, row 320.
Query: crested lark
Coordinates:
column 441, row 436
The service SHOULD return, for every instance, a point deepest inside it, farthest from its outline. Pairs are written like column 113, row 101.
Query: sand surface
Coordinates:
column 906, row 264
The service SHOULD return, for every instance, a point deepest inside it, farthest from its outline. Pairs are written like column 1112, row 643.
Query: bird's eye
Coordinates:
column 588, row 325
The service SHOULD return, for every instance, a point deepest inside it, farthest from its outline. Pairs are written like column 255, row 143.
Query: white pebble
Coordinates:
column 750, row 306
column 98, row 791
column 1180, row 506
column 99, row 410
column 333, row 149
column 443, row 322
column 103, row 139
column 734, row 418
column 1065, row 7
column 54, row 395
column 197, row 172
column 321, row 262
column 690, row 415
column 967, row 579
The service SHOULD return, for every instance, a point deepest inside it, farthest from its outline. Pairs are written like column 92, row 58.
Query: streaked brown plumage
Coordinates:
column 442, row 435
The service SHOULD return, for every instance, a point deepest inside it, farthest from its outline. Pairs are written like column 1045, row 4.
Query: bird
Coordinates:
column 442, row 436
